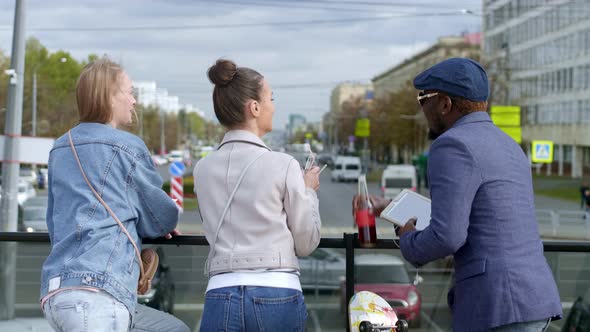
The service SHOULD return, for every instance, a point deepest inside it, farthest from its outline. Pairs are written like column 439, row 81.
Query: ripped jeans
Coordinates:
column 80, row 310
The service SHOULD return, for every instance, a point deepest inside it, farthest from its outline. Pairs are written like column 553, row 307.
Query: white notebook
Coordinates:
column 405, row 205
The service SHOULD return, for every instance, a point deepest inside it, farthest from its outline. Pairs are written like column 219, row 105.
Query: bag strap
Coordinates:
column 141, row 271
column 226, row 208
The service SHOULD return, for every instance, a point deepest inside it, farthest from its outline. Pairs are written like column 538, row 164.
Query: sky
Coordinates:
column 304, row 48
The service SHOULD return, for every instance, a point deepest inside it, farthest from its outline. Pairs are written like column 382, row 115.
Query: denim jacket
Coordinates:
column 88, row 247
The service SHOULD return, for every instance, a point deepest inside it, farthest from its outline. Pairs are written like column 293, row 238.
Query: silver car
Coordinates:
column 324, row 269
column 32, row 215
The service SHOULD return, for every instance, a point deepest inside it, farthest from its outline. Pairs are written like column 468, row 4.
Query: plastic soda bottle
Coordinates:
column 364, row 216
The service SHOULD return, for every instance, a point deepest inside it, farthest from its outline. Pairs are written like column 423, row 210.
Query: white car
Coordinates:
column 28, row 175
column 25, row 191
column 396, row 178
column 159, row 161
column 175, row 155
column 346, row 168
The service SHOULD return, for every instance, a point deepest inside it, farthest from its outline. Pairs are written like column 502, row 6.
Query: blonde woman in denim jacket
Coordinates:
column 272, row 218
column 89, row 280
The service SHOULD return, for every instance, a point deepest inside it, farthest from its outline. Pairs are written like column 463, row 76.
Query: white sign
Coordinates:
column 542, row 151
column 31, row 150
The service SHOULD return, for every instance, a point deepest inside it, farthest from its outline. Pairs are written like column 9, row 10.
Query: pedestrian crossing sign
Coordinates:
column 542, row 152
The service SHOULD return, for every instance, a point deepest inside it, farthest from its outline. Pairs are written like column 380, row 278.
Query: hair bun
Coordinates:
column 222, row 72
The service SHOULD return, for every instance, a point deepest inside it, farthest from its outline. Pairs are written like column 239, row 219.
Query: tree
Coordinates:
column 57, row 74
column 397, row 127
column 300, row 135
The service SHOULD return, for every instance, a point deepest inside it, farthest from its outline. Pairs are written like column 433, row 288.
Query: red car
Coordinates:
column 386, row 276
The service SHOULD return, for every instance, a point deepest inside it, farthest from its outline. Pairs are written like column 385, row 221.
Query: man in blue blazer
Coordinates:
column 483, row 210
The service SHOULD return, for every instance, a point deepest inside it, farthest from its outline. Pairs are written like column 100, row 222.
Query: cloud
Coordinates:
column 303, row 61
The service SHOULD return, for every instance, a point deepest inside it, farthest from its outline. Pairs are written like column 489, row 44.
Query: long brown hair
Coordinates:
column 96, row 85
column 234, row 86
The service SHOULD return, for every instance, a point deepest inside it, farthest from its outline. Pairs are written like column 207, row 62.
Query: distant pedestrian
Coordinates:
column 584, row 193
column 40, row 180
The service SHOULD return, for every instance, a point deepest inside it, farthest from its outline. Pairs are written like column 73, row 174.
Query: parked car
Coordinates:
column 322, row 270
column 326, row 158
column 32, row 215
column 159, row 161
column 25, row 191
column 29, row 175
column 34, row 219
column 386, row 276
column 175, row 155
column 162, row 293
column 36, row 201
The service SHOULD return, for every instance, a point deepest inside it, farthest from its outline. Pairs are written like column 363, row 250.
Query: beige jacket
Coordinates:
column 273, row 217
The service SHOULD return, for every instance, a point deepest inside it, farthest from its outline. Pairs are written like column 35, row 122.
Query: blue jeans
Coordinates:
column 534, row 326
column 80, row 310
column 253, row 308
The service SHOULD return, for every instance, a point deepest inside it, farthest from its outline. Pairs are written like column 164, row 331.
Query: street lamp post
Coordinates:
column 10, row 168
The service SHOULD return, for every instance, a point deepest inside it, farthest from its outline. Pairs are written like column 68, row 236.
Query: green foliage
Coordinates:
column 299, row 136
column 568, row 194
column 4, row 64
column 56, row 81
column 57, row 74
column 393, row 125
column 190, row 204
column 557, row 187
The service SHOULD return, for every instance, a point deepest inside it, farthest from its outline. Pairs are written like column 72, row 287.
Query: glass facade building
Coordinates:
column 539, row 51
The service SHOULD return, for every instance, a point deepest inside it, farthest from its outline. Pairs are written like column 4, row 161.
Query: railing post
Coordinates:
column 349, row 241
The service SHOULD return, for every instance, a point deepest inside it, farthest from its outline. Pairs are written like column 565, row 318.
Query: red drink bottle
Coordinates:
column 364, row 216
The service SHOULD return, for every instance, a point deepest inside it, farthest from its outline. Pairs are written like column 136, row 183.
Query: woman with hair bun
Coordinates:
column 260, row 212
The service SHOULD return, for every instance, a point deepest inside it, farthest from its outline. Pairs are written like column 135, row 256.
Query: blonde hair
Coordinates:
column 96, row 85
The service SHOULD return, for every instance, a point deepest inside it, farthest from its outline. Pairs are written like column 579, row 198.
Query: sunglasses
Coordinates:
column 423, row 96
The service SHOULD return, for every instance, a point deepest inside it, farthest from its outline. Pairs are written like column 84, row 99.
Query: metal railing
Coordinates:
column 567, row 224
column 349, row 242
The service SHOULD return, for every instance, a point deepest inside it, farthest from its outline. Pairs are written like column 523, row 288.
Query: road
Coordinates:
column 335, row 201
column 572, row 270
